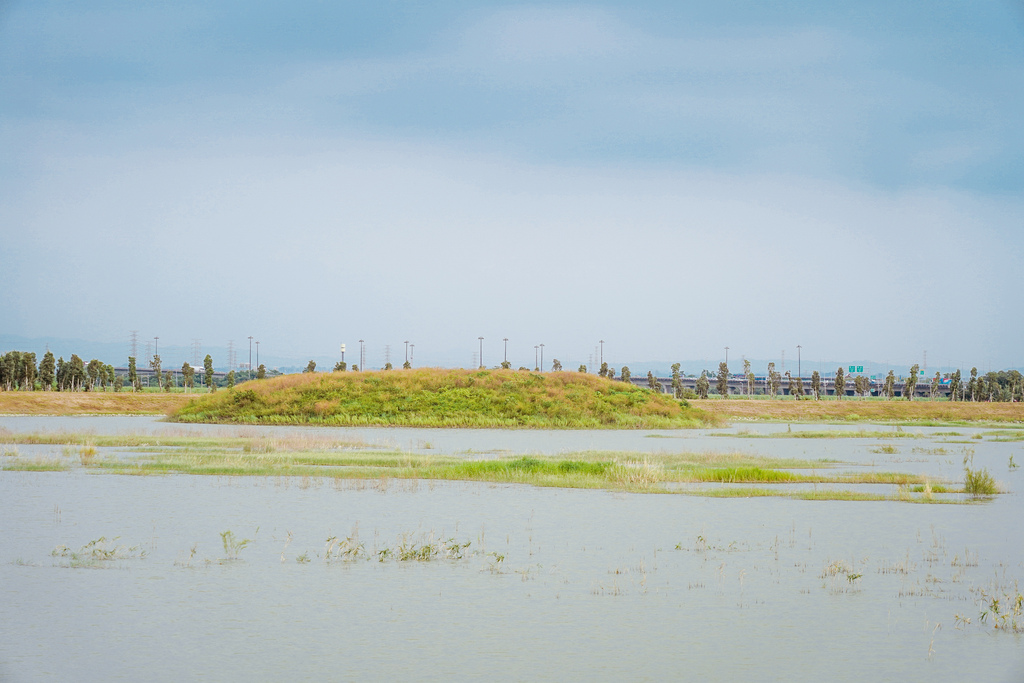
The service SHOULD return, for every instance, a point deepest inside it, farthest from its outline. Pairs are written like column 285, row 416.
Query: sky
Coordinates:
column 669, row 177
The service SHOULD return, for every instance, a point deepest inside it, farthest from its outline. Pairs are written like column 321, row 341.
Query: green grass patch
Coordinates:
column 447, row 398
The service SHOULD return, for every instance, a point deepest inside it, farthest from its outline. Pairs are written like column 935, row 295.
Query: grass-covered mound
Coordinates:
column 445, row 398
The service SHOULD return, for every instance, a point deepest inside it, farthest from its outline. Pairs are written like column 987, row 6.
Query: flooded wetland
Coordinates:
column 133, row 547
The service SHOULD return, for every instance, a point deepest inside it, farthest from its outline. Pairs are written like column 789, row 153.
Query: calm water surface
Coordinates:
column 555, row 584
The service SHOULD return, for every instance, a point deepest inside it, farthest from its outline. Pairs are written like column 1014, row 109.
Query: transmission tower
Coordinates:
column 783, row 361
column 231, row 354
column 196, row 350
column 387, row 354
column 133, row 345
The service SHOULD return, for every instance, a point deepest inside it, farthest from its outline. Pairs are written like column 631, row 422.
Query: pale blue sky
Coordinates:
column 669, row 177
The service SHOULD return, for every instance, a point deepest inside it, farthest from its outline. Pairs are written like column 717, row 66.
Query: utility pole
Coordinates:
column 505, row 358
column 542, row 358
column 406, row 350
column 798, row 365
column 602, row 351
column 536, row 364
column 362, row 356
column 157, row 342
column 727, row 355
column 257, row 354
column 249, row 376
column 481, row 356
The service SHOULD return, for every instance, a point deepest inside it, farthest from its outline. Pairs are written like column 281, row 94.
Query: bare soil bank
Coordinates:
column 89, row 403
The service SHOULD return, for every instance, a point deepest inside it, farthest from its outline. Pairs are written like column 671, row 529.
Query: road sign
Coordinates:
column 856, row 368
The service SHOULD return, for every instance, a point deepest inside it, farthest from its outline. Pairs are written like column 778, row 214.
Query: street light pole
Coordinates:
column 412, row 352
column 362, row 360
column 249, row 376
column 602, row 352
column 481, row 351
column 542, row 358
column 506, row 349
column 536, row 364
column 727, row 355
column 257, row 354
column 406, row 350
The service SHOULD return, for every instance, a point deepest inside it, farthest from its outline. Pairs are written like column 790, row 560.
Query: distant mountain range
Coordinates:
column 116, row 353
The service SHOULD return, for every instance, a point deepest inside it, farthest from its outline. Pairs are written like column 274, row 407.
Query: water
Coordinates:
column 593, row 584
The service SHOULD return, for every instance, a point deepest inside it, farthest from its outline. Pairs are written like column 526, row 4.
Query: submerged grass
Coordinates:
column 607, row 470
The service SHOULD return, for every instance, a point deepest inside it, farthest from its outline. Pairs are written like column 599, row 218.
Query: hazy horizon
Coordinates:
column 670, row 179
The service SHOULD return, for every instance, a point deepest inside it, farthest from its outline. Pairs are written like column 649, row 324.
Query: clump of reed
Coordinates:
column 979, row 482
column 233, row 545
column 97, row 553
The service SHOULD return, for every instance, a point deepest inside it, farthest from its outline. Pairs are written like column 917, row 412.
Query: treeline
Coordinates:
column 19, row 372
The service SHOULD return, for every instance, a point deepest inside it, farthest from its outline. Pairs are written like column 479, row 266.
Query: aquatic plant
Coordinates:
column 232, row 545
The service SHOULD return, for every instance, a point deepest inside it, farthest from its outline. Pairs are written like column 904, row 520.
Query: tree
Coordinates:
column 10, row 369
column 910, row 385
column 889, row 388
column 603, row 372
column 840, row 384
column 118, row 382
column 582, row 368
column 28, row 369
column 231, row 379
column 954, row 386
column 748, row 375
column 133, row 374
column 972, row 385
column 652, row 381
column 625, row 373
column 111, row 375
column 155, row 365
column 677, row 385
column 816, row 385
column 556, row 365
column 355, row 368
column 611, row 373
column 703, row 384
column 311, row 366
column 76, row 373
column 261, row 371
column 506, row 365
column 208, row 373
column 93, row 371
column 46, row 371
column 388, row 366
column 774, row 381
column 168, row 381
column 340, row 366
column 186, row 375
column 723, row 380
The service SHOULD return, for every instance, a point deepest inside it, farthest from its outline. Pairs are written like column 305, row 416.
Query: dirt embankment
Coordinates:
column 89, row 403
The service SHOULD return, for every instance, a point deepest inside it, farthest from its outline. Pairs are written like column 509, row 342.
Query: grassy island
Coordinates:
column 435, row 397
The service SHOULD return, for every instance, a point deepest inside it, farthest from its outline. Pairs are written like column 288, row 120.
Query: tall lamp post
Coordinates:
column 726, row 355
column 602, row 352
column 257, row 354
column 407, row 351
column 412, row 352
column 505, row 358
column 481, row 351
column 362, row 361
column 536, row 363
column 542, row 358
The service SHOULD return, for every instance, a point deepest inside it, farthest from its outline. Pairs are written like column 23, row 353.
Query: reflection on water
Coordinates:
column 591, row 585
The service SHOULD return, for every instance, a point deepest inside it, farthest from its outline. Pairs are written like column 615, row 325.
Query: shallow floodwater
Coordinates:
column 555, row 584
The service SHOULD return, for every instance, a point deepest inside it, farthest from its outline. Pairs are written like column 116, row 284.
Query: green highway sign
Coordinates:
column 856, row 368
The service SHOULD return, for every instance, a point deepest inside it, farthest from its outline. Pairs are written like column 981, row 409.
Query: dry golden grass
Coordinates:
column 89, row 403
column 861, row 410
